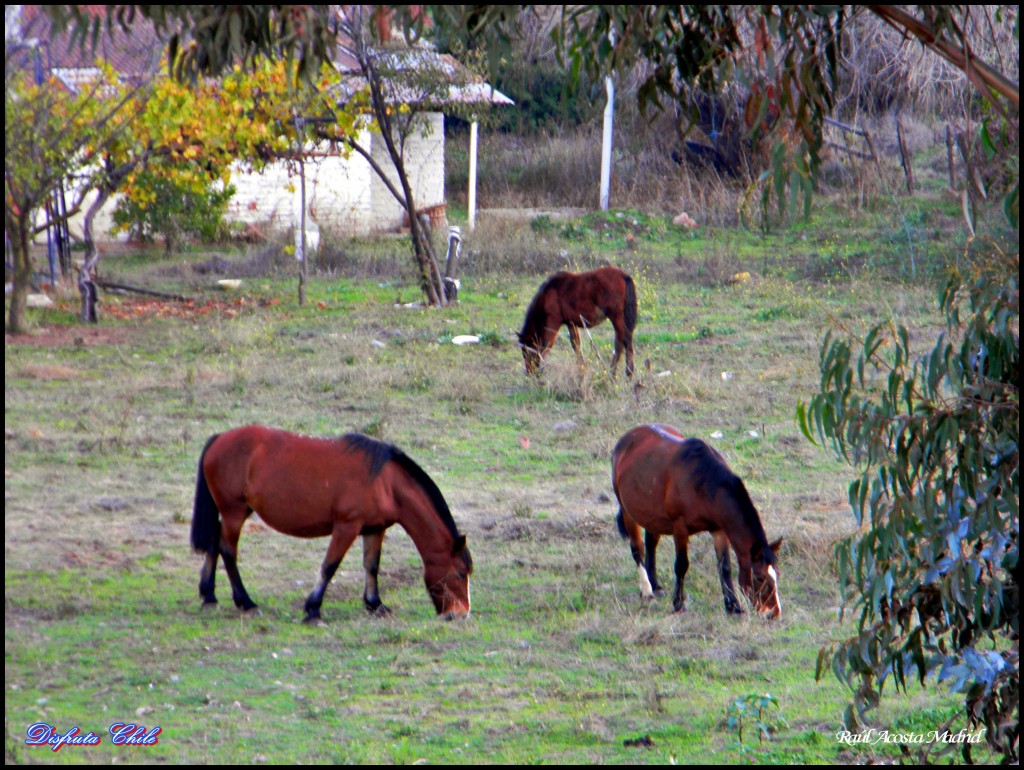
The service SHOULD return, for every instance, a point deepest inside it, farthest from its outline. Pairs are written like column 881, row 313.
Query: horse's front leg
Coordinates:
column 372, row 543
column 341, row 540
column 725, row 574
column 230, row 529
column 682, row 565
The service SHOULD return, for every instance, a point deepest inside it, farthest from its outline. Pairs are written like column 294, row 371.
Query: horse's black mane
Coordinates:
column 536, row 316
column 379, row 453
column 711, row 475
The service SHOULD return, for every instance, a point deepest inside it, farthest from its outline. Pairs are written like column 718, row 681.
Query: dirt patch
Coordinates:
column 59, row 335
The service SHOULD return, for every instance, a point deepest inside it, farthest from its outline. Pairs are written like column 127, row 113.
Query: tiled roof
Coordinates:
column 134, row 54
column 137, row 54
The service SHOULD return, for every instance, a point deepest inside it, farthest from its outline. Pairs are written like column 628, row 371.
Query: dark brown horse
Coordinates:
column 670, row 485
column 319, row 487
column 580, row 300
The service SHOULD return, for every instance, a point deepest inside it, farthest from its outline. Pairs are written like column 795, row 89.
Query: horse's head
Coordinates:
column 531, row 354
column 448, row 582
column 763, row 590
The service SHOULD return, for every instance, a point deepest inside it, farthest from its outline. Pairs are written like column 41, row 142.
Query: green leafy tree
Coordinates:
column 51, row 134
column 181, row 135
column 106, row 135
column 933, row 570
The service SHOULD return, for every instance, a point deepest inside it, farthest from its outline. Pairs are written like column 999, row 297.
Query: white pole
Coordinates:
column 606, row 146
column 472, row 173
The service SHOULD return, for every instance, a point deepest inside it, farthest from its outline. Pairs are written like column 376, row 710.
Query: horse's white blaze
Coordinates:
column 645, row 583
column 775, row 579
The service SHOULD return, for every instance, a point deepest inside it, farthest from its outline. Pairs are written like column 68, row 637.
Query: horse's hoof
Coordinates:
column 680, row 610
column 209, row 606
column 383, row 611
column 314, row 622
column 252, row 612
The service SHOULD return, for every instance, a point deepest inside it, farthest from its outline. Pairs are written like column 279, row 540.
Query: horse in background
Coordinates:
column 670, row 485
column 319, row 487
column 580, row 300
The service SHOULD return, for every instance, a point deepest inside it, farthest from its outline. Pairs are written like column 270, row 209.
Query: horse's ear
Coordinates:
column 460, row 551
column 458, row 545
column 775, row 546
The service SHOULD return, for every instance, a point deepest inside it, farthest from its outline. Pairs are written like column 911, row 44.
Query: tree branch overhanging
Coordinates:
column 984, row 77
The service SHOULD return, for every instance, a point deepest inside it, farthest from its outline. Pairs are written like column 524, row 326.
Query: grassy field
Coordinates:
column 561, row 661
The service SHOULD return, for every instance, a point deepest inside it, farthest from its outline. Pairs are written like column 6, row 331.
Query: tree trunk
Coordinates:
column 22, row 274
column 86, row 285
column 423, row 250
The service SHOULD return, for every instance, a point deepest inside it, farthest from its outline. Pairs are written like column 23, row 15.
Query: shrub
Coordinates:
column 172, row 206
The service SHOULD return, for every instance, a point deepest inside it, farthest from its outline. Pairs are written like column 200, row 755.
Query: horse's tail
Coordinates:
column 205, row 514
column 630, row 310
column 620, row 522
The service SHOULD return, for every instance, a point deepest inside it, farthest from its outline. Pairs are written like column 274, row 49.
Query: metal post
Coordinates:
column 472, row 173
column 606, row 146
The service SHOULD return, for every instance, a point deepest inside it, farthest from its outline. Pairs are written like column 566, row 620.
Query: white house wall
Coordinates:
column 424, row 163
column 344, row 195
column 338, row 195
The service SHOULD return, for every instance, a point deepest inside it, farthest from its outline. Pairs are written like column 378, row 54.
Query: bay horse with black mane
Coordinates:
column 580, row 300
column 319, row 487
column 670, row 485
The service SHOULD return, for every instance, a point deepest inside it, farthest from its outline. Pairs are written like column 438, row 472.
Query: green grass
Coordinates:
column 560, row 661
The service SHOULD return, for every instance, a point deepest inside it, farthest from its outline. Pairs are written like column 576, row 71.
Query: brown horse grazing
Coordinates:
column 315, row 487
column 580, row 300
column 670, row 485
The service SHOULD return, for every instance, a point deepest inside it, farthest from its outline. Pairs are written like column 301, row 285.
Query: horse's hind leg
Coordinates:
column 650, row 559
column 231, row 528
column 616, row 355
column 208, row 579
column 372, row 543
column 341, row 540
column 631, row 531
column 623, row 342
